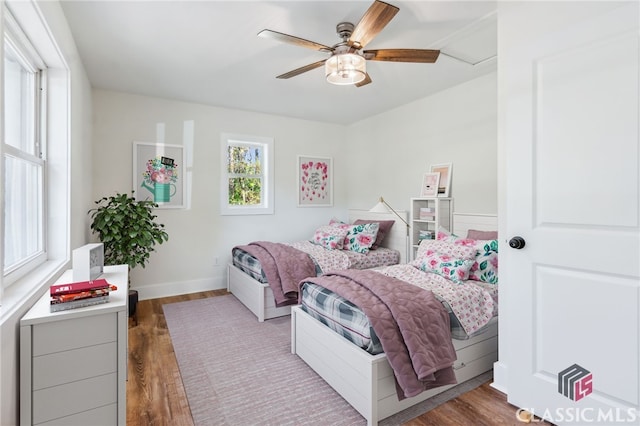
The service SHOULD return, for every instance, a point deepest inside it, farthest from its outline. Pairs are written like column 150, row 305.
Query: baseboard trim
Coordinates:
column 500, row 377
column 154, row 291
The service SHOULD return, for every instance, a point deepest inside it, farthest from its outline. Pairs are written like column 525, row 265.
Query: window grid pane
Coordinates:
column 245, row 191
column 23, row 237
column 245, row 160
column 20, row 103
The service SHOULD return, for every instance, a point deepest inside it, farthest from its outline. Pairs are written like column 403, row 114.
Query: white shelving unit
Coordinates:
column 442, row 217
column 73, row 364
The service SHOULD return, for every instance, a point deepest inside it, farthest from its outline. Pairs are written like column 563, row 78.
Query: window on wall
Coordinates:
column 22, row 152
column 34, row 146
column 247, row 175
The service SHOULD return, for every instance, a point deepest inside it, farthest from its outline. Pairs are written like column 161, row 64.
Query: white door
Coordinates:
column 569, row 121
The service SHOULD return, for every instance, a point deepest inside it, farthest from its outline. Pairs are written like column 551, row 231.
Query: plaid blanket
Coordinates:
column 340, row 315
column 284, row 268
column 412, row 325
column 252, row 267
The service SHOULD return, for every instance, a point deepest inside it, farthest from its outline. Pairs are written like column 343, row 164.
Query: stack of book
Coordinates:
column 80, row 294
column 425, row 235
column 427, row 213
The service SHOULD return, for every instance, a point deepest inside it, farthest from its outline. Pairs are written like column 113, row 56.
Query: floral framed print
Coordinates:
column 444, row 186
column 158, row 174
column 430, row 184
column 315, row 181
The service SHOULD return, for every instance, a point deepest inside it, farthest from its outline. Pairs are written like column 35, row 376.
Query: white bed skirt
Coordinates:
column 366, row 381
column 256, row 296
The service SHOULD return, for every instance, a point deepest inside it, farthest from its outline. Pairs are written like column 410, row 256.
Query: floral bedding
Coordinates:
column 472, row 304
column 374, row 259
column 325, row 260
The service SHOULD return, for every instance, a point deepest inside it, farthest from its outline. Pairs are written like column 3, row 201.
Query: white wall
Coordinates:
column 79, row 129
column 389, row 153
column 200, row 235
column 384, row 155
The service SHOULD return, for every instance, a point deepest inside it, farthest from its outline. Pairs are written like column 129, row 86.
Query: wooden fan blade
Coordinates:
column 286, row 38
column 366, row 80
column 373, row 21
column 402, row 55
column 301, row 70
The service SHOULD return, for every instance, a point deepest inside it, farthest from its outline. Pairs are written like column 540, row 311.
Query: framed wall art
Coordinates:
column 429, row 186
column 444, row 185
column 315, row 181
column 158, row 174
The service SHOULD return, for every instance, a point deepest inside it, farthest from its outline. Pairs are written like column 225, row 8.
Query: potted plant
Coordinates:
column 129, row 232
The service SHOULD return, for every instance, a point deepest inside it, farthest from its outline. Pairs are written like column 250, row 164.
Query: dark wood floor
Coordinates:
column 155, row 395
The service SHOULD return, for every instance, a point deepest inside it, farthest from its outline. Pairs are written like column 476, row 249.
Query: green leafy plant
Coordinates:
column 127, row 228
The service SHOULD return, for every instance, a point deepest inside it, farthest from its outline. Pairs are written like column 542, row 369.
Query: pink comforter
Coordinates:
column 284, row 267
column 411, row 323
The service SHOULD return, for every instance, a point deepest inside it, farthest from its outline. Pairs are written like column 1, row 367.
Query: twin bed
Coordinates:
column 366, row 380
column 247, row 283
column 348, row 355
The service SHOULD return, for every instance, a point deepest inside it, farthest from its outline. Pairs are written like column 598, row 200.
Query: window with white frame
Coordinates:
column 247, row 175
column 23, row 155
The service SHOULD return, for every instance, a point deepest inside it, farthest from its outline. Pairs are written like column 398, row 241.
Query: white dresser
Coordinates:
column 73, row 364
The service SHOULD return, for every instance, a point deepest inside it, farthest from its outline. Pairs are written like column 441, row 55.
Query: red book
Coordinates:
column 79, row 287
column 63, row 298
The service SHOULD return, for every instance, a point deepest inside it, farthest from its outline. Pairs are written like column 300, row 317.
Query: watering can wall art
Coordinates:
column 160, row 178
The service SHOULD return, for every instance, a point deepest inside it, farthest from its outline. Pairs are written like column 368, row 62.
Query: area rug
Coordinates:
column 237, row 371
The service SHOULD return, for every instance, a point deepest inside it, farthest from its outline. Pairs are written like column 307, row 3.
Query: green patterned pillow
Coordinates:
column 447, row 266
column 361, row 237
column 330, row 237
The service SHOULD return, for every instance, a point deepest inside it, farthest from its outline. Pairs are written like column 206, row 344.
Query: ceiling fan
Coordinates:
column 347, row 62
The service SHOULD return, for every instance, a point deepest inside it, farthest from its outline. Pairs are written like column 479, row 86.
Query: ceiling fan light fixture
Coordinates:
column 345, row 68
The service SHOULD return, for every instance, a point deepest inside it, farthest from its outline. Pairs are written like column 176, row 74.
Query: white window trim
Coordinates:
column 25, row 290
column 268, row 204
column 32, row 61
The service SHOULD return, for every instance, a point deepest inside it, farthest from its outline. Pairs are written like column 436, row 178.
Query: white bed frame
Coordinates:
column 366, row 381
column 258, row 297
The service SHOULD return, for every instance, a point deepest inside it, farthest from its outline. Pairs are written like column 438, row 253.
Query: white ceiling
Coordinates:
column 208, row 52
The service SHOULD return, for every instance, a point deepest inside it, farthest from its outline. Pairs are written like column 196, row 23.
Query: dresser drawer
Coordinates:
column 476, row 351
column 64, row 400
column 58, row 336
column 103, row 416
column 77, row 364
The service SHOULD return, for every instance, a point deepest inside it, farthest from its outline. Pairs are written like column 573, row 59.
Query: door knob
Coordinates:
column 517, row 243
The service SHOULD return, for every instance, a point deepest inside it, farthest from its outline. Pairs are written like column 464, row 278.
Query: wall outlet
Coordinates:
column 215, row 261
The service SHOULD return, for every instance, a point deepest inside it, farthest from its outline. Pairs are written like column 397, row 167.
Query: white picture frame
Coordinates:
column 430, row 182
column 88, row 262
column 314, row 181
column 159, row 174
column 444, row 185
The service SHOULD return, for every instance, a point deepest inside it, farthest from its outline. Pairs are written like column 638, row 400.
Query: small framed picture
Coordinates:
column 430, row 184
column 315, row 181
column 158, row 174
column 444, row 185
